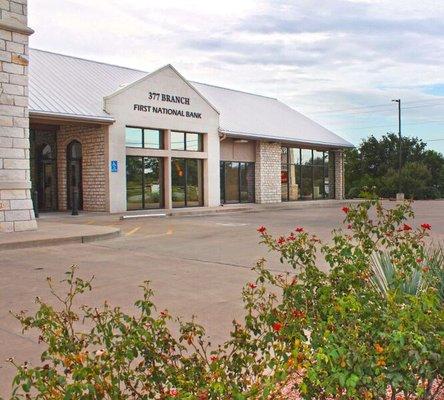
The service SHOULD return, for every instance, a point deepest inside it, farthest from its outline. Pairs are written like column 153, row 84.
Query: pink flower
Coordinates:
column 252, row 285
column 299, row 229
column 406, row 227
column 173, row 392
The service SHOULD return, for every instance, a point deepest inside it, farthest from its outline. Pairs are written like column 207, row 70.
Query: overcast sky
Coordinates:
column 339, row 62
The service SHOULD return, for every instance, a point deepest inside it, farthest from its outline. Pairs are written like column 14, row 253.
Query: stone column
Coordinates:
column 16, row 210
column 339, row 175
column 268, row 172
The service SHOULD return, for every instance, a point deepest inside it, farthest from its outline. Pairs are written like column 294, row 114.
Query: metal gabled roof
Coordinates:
column 66, row 85
column 69, row 86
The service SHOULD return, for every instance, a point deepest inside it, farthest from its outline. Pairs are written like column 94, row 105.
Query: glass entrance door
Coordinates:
column 144, row 183
column 237, row 182
column 186, row 182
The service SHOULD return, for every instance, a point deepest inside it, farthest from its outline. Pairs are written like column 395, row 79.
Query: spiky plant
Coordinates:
column 386, row 278
column 427, row 273
column 435, row 265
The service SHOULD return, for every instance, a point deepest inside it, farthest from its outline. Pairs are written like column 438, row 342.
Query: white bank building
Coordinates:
column 124, row 139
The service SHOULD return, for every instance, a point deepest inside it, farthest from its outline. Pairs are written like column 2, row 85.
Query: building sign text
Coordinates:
column 169, row 98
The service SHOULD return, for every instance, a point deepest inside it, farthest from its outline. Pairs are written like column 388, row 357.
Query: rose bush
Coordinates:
column 306, row 332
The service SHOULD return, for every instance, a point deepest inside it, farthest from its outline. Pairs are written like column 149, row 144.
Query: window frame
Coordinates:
column 222, row 169
column 142, row 182
column 161, row 138
column 311, row 164
column 185, row 133
column 185, row 187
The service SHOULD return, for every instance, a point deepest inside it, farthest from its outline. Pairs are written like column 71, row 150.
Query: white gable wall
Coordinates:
column 121, row 106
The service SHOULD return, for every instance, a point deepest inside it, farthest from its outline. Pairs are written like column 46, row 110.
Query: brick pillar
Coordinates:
column 339, row 175
column 16, row 211
column 268, row 172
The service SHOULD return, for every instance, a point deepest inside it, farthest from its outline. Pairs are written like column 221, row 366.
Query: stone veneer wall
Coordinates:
column 268, row 172
column 94, row 165
column 339, row 175
column 16, row 210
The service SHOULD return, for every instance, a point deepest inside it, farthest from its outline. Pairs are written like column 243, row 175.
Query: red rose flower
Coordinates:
column 349, row 226
column 425, row 269
column 426, row 226
column 406, row 227
column 261, row 229
column 213, row 358
column 173, row 392
column 419, row 260
column 252, row 285
column 345, row 209
column 277, row 326
column 299, row 229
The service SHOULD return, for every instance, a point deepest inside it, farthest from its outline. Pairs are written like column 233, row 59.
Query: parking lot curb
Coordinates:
column 87, row 238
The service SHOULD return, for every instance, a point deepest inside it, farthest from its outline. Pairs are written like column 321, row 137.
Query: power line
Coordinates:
column 391, row 125
column 417, row 104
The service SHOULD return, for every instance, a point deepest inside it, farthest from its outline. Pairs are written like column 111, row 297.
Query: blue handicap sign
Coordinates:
column 114, row 166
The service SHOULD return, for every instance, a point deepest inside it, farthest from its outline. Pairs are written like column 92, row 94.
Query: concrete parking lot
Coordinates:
column 197, row 265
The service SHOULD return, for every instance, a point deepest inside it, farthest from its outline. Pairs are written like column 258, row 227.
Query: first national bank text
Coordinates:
column 167, row 111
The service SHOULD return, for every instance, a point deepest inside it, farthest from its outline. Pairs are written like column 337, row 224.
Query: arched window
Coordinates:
column 46, row 178
column 74, row 150
column 46, row 152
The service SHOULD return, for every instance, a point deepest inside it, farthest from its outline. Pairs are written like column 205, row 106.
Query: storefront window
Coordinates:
column 306, row 156
column 294, row 156
column 247, row 182
column 134, row 197
column 186, row 141
column 293, row 182
column 318, row 182
column 284, row 182
column 143, row 137
column 194, row 183
column 187, row 182
column 307, row 174
column 237, row 182
column 143, row 182
column 306, row 182
column 232, row 182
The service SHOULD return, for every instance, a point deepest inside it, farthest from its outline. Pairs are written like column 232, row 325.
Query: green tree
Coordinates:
column 376, row 163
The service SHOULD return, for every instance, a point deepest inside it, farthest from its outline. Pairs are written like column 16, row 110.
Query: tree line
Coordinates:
column 374, row 166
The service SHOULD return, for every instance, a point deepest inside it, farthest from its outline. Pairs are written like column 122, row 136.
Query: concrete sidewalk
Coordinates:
column 239, row 207
column 52, row 233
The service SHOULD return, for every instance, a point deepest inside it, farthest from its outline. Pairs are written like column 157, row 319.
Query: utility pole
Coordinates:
column 400, row 143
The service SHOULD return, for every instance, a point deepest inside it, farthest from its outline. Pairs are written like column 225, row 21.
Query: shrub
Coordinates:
column 333, row 335
column 415, row 179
